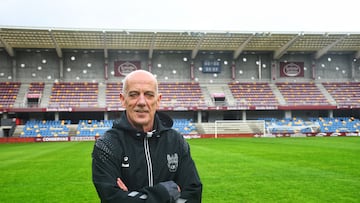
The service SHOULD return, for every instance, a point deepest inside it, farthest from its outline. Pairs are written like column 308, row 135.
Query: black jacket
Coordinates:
column 148, row 164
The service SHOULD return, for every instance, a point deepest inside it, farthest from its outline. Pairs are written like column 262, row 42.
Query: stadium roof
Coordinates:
column 279, row 43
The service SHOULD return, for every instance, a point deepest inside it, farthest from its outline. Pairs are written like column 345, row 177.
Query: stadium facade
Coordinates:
column 205, row 76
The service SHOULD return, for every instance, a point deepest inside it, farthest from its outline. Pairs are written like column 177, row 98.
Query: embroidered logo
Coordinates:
column 125, row 163
column 172, row 162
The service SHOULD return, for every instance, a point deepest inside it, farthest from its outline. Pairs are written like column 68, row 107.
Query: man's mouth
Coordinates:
column 141, row 111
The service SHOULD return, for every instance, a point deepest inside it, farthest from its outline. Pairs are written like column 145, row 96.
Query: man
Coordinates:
column 141, row 159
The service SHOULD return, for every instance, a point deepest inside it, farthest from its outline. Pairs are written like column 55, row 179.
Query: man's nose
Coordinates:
column 141, row 100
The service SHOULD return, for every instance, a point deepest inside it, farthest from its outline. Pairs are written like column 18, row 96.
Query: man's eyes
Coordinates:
column 133, row 94
column 146, row 94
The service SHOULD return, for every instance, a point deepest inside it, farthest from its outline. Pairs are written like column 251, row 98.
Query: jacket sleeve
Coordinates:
column 105, row 171
column 188, row 177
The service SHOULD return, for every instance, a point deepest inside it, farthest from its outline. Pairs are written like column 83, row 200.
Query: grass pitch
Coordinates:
column 317, row 169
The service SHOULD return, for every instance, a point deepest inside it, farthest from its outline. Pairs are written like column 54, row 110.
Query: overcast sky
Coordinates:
column 185, row 15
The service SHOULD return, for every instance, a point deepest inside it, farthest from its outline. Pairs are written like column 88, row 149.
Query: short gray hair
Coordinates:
column 124, row 88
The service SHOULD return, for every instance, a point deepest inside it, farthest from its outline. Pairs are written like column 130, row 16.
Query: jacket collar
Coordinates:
column 162, row 122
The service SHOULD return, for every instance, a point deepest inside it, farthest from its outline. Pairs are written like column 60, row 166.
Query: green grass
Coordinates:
column 232, row 170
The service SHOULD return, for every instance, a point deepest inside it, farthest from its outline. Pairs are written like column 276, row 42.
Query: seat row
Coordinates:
column 78, row 94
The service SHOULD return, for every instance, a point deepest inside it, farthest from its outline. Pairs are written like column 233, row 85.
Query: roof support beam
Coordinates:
column 8, row 48
column 323, row 51
column 106, row 54
column 242, row 47
column 282, row 50
column 152, row 46
column 197, row 47
column 57, row 48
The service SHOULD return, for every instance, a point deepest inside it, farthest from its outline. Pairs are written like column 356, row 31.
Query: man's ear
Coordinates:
column 122, row 100
column 159, row 99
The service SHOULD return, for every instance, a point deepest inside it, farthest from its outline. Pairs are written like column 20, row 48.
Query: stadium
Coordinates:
column 303, row 83
column 63, row 85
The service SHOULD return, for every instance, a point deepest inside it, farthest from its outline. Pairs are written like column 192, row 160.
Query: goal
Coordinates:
column 245, row 127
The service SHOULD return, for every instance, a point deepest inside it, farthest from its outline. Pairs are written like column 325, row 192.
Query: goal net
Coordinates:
column 240, row 127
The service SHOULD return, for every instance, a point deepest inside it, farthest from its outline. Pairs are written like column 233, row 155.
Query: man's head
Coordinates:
column 140, row 98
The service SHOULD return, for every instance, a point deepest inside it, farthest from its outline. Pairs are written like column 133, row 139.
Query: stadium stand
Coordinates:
column 301, row 93
column 204, row 78
column 346, row 94
column 184, row 126
column 36, row 88
column 338, row 124
column 74, row 94
column 181, row 94
column 35, row 93
column 46, row 128
column 8, row 93
column 93, row 127
column 253, row 94
column 313, row 125
column 113, row 91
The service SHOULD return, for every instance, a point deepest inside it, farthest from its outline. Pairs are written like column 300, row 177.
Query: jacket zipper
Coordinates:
column 148, row 162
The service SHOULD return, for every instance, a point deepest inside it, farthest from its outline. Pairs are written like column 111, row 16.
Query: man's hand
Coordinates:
column 121, row 185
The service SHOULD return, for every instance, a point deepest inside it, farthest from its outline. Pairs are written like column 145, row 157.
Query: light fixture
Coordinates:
column 112, row 72
column 33, row 74
column 225, row 62
column 43, row 61
column 68, row 69
column 72, row 58
column 244, row 59
column 22, row 65
column 329, row 59
column 39, row 67
column 84, row 71
column 200, row 68
column 159, row 65
column 77, row 78
column 49, row 77
column 174, row 72
column 185, row 59
column 89, row 65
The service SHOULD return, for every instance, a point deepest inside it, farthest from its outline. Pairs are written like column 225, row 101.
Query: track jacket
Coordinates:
column 148, row 163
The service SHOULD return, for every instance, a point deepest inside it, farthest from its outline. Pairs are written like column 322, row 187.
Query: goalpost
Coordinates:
column 255, row 127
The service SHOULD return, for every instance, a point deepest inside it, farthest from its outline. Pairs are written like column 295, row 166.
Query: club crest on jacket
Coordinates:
column 172, row 162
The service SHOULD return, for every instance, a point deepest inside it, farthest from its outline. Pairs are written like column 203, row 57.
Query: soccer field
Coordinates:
column 316, row 169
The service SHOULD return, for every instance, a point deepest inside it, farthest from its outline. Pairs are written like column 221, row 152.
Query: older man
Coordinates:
column 142, row 159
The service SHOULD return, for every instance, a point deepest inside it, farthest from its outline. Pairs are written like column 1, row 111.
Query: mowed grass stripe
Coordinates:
column 47, row 172
column 232, row 170
column 279, row 170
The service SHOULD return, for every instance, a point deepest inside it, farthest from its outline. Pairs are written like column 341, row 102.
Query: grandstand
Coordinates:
column 66, row 83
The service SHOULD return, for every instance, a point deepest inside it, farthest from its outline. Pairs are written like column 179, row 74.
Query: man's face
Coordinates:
column 141, row 101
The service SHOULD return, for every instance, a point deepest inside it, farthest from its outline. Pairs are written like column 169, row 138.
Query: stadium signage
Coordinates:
column 122, row 68
column 291, row 69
